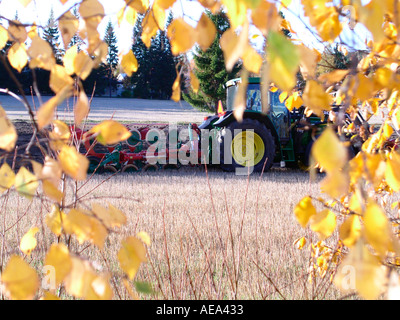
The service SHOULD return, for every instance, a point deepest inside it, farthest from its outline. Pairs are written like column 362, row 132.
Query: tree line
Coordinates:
column 158, row 67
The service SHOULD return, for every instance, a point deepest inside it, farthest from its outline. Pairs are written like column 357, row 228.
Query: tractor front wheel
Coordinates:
column 246, row 144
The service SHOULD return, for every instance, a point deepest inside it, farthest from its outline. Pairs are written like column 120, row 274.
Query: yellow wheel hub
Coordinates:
column 247, row 148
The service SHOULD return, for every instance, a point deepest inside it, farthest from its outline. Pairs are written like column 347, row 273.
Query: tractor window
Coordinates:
column 280, row 115
column 254, row 98
column 230, row 97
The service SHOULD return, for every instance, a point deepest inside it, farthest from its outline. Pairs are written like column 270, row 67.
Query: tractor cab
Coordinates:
column 278, row 113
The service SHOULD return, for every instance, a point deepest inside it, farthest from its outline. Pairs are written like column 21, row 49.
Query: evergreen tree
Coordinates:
column 156, row 72
column 52, row 35
column 76, row 39
column 210, row 69
column 112, row 56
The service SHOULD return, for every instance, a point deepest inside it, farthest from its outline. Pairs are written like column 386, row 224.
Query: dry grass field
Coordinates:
column 219, row 236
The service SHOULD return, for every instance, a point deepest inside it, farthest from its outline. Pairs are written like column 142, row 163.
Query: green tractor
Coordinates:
column 279, row 137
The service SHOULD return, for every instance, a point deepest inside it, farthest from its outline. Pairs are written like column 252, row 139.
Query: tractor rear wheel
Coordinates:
column 256, row 143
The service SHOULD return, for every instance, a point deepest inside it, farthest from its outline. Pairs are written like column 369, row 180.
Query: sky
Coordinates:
column 41, row 12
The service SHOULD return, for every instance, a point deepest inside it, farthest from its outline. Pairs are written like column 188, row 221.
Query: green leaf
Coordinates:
column 284, row 60
column 143, row 287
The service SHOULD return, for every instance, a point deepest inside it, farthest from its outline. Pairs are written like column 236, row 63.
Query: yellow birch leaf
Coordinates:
column 83, row 283
column 129, row 63
column 330, row 27
column 323, row 223
column 283, row 96
column 73, row 163
column 182, row 36
column 17, row 32
column 100, row 54
column 194, row 82
column 69, row 59
column 176, row 89
column 41, row 54
column 252, row 60
column 51, row 191
column 365, row 89
column 46, row 112
column 233, row 46
column 54, row 220
column 372, row 16
column 8, row 133
column 334, row 76
column 131, row 255
column 60, row 135
column 377, row 228
column 140, row 6
column 206, row 31
column 110, row 217
column 265, row 17
column 350, row 231
column 81, row 109
column 100, row 289
column 90, row 8
column 213, row 5
column 58, row 257
column 159, row 16
column 78, row 281
column 85, row 228
column 68, row 25
column 3, row 37
column 237, row 12
column 294, row 101
column 130, row 15
column 329, row 152
column 7, row 177
column 21, row 282
column 304, row 210
column 33, row 31
column 83, row 65
column 26, row 183
column 48, row 296
column 361, row 272
column 59, row 79
column 118, row 217
column 110, row 132
column 300, row 243
column 144, row 236
column 50, row 171
column 308, row 61
column 150, row 28
column 336, row 183
column 28, row 242
column 165, row 4
column 392, row 173
column 17, row 56
column 316, row 98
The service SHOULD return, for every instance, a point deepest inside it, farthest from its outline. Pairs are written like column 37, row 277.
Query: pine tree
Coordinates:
column 52, row 35
column 210, row 69
column 112, row 56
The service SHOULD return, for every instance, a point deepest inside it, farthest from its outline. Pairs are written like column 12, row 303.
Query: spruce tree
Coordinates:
column 52, row 35
column 76, row 39
column 156, row 72
column 210, row 70
column 112, row 56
